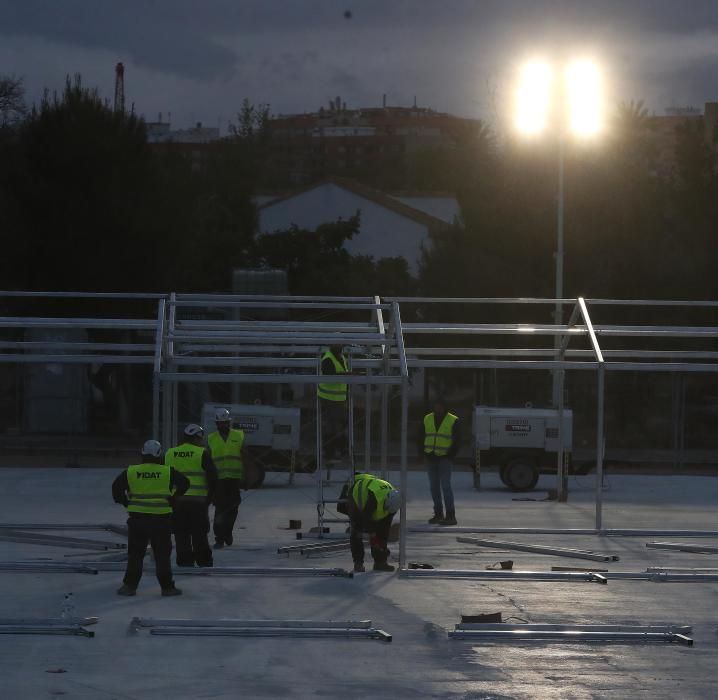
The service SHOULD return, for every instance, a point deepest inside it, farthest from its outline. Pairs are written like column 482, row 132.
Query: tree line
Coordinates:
column 87, row 204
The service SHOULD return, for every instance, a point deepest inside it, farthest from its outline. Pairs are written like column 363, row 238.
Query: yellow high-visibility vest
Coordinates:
column 364, row 484
column 187, row 458
column 438, row 441
column 227, row 454
column 149, row 489
column 334, row 392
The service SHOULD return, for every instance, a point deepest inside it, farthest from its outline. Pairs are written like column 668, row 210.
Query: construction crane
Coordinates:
column 119, row 88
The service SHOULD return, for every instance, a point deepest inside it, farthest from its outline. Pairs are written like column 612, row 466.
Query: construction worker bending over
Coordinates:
column 226, row 448
column 333, row 404
column 371, row 505
column 191, row 512
column 439, row 439
column 146, row 490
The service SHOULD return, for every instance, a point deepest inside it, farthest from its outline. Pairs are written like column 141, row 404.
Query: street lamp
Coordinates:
column 569, row 102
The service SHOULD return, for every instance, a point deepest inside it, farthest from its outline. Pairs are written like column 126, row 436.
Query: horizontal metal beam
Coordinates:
column 538, row 627
column 24, row 322
column 479, row 300
column 231, row 623
column 539, row 549
column 647, row 532
column 281, row 572
column 231, row 378
column 46, row 567
column 310, row 547
column 301, row 633
column 682, row 547
column 661, row 577
column 32, row 345
column 76, row 630
column 60, row 540
column 325, row 305
column 570, row 637
column 83, row 295
column 568, row 576
column 47, row 621
column 438, row 529
column 62, row 359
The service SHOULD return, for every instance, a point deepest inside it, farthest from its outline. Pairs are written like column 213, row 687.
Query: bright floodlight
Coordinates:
column 533, row 97
column 583, row 98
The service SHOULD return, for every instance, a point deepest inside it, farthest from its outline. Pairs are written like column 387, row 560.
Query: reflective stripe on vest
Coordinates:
column 365, row 484
column 187, row 458
column 227, row 454
column 438, row 442
column 149, row 489
column 334, row 392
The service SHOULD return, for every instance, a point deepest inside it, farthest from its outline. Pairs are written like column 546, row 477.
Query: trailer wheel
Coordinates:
column 520, row 474
column 503, row 469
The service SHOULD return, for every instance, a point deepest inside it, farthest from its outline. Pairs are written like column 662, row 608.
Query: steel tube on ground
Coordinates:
column 538, row 627
column 539, row 549
column 682, row 547
column 571, row 637
column 271, row 632
column 507, row 574
column 76, row 630
column 231, row 623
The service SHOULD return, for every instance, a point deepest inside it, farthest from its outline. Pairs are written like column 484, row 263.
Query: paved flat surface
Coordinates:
column 421, row 662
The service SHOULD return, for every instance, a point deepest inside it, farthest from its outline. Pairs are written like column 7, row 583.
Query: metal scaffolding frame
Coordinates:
column 236, row 349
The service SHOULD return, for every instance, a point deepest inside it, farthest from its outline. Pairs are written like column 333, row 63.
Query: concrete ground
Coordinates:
column 421, row 662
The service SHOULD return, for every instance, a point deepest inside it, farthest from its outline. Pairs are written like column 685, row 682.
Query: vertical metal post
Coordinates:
column 350, row 423
column 171, row 388
column 385, row 422
column 561, row 470
column 367, row 424
column 404, row 477
column 157, row 368
column 600, row 445
column 320, row 457
column 558, row 311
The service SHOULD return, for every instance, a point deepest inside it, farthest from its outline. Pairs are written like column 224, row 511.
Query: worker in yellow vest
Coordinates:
column 146, row 490
column 439, row 440
column 191, row 512
column 371, row 504
column 333, row 397
column 226, row 447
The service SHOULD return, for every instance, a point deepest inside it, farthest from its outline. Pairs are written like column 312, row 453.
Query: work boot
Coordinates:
column 383, row 566
column 166, row 592
column 436, row 520
column 218, row 544
column 124, row 589
column 359, row 568
column 450, row 519
column 229, row 540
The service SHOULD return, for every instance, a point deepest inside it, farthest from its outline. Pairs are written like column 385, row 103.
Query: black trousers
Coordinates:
column 378, row 540
column 155, row 530
column 227, row 498
column 335, row 419
column 191, row 526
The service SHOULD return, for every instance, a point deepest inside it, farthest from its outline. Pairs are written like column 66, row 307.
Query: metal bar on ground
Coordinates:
column 680, row 570
column 682, row 547
column 506, row 574
column 233, row 570
column 571, row 637
column 47, row 621
column 76, row 630
column 317, row 632
column 533, row 626
column 540, row 549
column 39, row 540
column 35, row 535
column 313, row 547
column 452, row 530
column 231, row 623
column 59, row 526
column 47, row 567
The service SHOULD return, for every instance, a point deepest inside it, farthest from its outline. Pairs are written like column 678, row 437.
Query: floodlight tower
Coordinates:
column 569, row 103
column 119, row 105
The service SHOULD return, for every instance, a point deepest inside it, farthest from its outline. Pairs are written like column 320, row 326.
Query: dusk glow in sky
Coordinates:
column 199, row 59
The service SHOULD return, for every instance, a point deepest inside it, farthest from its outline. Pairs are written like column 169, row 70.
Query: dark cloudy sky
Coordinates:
column 199, row 58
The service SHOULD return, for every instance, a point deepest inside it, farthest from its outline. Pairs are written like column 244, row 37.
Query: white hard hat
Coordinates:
column 152, row 448
column 392, row 503
column 194, row 430
column 222, row 415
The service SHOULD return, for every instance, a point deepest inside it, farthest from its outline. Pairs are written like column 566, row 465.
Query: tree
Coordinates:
column 12, row 100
